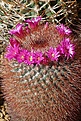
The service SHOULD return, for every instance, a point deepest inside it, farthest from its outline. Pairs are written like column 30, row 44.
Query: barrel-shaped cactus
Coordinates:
column 42, row 73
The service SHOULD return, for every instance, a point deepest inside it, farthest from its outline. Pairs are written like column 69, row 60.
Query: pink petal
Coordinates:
column 33, row 22
column 38, row 57
column 53, row 54
column 12, row 52
column 30, row 56
column 21, row 57
column 18, row 30
column 67, row 48
column 63, row 30
column 14, row 42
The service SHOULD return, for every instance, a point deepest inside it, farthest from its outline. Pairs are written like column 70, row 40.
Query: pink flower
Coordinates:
column 21, row 56
column 30, row 57
column 67, row 48
column 33, row 22
column 63, row 30
column 17, row 31
column 38, row 57
column 12, row 52
column 53, row 54
column 46, row 25
column 14, row 42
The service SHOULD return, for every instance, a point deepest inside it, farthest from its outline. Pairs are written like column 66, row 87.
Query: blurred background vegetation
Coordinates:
column 14, row 11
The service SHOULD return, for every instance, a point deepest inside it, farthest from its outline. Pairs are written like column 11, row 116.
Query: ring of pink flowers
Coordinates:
column 65, row 48
column 14, row 51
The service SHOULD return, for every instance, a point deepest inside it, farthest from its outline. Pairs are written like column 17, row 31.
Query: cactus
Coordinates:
column 44, row 90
